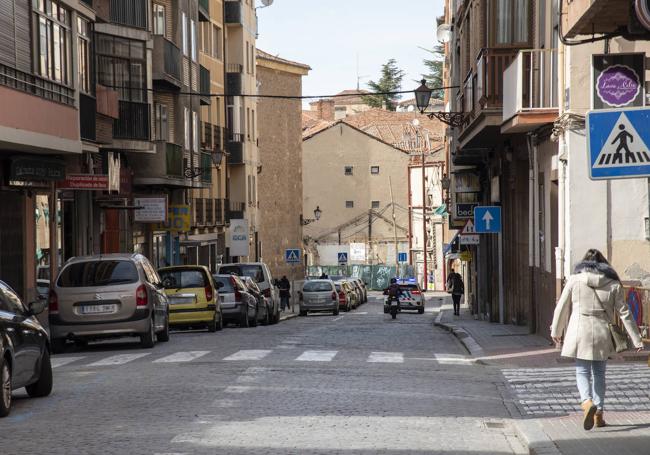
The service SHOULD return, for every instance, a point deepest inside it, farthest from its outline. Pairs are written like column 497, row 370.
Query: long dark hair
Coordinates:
column 595, row 261
column 594, row 255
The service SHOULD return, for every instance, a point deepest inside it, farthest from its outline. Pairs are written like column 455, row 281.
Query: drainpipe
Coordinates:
column 531, row 234
column 562, row 159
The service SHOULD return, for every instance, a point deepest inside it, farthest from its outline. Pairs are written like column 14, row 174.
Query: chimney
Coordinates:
column 324, row 109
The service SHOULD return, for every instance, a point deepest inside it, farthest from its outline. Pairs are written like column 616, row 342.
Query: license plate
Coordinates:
column 182, row 300
column 96, row 309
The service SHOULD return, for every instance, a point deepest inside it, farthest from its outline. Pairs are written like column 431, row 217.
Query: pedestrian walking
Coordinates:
column 456, row 288
column 285, row 292
column 592, row 296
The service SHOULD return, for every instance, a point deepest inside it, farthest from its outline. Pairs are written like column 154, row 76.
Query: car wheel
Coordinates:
column 213, row 324
column 276, row 316
column 421, row 311
column 148, row 339
column 253, row 322
column 220, row 323
column 336, row 312
column 43, row 386
column 57, row 345
column 5, row 388
column 243, row 320
column 164, row 335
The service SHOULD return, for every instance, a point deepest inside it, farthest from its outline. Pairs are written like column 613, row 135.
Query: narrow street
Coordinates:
column 355, row 383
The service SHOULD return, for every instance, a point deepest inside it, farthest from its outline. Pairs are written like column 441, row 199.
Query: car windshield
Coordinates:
column 226, row 284
column 317, row 286
column 408, row 287
column 183, row 279
column 253, row 271
column 98, row 273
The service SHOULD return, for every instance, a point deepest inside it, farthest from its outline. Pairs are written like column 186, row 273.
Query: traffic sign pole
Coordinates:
column 502, row 318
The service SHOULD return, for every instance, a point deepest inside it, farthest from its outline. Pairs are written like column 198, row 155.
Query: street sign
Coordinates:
column 468, row 234
column 618, row 141
column 292, row 256
column 465, row 256
column 465, row 211
column 402, row 257
column 343, row 258
column 487, row 219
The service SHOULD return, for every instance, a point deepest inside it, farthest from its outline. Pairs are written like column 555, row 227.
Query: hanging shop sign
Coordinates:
column 618, row 80
column 238, row 238
column 178, row 219
column 466, row 182
column 88, row 182
column 152, row 209
column 36, row 168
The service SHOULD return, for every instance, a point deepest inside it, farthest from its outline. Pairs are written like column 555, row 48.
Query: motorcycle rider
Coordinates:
column 394, row 292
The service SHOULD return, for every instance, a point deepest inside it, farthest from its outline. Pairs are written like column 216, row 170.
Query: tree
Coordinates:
column 390, row 81
column 434, row 66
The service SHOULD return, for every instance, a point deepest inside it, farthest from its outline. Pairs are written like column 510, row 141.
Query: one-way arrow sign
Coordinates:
column 487, row 219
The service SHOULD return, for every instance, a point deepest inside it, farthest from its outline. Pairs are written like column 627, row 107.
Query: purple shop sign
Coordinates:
column 618, row 85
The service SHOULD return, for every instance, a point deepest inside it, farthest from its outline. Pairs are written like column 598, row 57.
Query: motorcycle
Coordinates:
column 393, row 305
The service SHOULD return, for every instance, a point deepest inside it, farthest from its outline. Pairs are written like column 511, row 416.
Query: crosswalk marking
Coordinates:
column 60, row 361
column 317, row 356
column 249, row 354
column 179, row 357
column 386, row 357
column 119, row 359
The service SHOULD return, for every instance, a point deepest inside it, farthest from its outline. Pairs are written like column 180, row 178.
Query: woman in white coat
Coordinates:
column 591, row 297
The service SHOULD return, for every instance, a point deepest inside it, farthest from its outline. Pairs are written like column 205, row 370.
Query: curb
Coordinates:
column 286, row 316
column 534, row 438
column 474, row 349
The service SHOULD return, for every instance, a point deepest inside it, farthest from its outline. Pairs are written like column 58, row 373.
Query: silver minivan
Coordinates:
column 319, row 295
column 106, row 296
column 238, row 305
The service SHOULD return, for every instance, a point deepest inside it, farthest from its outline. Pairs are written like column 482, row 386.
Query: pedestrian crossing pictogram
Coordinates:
column 292, row 256
column 624, row 146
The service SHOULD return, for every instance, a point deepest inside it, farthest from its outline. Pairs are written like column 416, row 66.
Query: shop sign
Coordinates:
column 37, row 168
column 357, row 251
column 465, row 211
column 618, row 80
column 238, row 238
column 153, row 209
column 90, row 182
column 465, row 256
column 178, row 219
column 466, row 182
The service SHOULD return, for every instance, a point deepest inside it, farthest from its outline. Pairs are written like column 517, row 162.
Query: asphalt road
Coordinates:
column 357, row 383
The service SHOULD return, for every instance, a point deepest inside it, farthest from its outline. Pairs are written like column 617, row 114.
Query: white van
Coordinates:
column 259, row 272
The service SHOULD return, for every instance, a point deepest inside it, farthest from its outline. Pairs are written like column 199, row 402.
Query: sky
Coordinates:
column 329, row 36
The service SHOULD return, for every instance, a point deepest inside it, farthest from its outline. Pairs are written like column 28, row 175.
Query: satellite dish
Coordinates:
column 444, row 33
column 267, row 2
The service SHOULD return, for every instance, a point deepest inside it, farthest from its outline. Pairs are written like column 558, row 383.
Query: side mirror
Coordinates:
column 37, row 307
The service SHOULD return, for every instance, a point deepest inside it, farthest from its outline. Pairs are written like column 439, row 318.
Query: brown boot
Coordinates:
column 589, row 410
column 599, row 420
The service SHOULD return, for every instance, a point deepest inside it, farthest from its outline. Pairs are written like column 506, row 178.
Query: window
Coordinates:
column 248, row 123
column 83, row 54
column 374, row 170
column 375, row 204
column 217, row 40
column 349, row 204
column 162, row 127
column 206, row 39
column 159, row 15
column 511, row 21
column 184, row 33
column 348, row 170
column 122, row 66
column 9, row 301
column 98, row 273
column 193, row 40
column 248, row 60
column 253, row 124
column 52, row 25
column 186, row 124
column 195, row 131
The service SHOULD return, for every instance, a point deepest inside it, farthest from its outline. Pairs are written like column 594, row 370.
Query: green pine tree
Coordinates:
column 434, row 66
column 390, row 81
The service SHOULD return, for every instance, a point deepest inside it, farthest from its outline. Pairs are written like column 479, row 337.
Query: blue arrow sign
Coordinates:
column 292, row 256
column 618, row 140
column 343, row 258
column 487, row 219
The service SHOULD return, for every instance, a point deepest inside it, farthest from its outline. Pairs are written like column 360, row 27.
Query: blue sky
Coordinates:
column 329, row 34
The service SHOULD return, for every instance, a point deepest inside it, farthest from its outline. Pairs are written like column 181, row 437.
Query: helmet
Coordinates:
column 393, row 280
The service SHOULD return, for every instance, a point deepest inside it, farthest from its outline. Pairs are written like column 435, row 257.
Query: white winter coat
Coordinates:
column 591, row 297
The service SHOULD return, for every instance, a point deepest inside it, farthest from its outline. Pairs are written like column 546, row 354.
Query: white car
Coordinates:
column 412, row 298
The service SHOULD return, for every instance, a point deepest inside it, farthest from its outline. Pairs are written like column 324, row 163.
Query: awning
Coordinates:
column 442, row 210
column 448, row 246
column 201, row 239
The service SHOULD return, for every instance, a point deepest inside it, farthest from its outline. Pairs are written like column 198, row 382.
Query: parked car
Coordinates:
column 345, row 300
column 412, row 297
column 107, row 296
column 24, row 350
column 263, row 309
column 193, row 299
column 238, row 304
column 364, row 289
column 259, row 272
column 356, row 289
column 319, row 295
column 43, row 288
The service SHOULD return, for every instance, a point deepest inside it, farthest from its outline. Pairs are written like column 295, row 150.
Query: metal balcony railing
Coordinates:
column 206, row 167
column 209, row 212
column 172, row 59
column 218, row 211
column 174, row 160
column 35, row 85
column 234, row 12
column 198, row 211
column 207, row 135
column 236, row 210
column 134, row 121
column 490, row 67
column 132, row 13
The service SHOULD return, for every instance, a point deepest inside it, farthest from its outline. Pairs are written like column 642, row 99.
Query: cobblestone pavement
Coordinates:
column 357, row 383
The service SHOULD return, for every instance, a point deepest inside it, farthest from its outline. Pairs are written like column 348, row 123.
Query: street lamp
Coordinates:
column 422, row 96
column 193, row 172
column 422, row 100
column 317, row 213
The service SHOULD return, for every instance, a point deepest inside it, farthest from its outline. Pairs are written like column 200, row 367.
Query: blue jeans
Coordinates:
column 588, row 371
column 284, row 302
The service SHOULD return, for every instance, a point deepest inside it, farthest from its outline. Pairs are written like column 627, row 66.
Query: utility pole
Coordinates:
column 392, row 203
column 370, row 235
column 424, row 222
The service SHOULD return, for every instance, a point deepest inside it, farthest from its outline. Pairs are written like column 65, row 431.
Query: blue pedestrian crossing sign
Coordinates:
column 618, row 140
column 487, row 219
column 343, row 258
column 292, row 256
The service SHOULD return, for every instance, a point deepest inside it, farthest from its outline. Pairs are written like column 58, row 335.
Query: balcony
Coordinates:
column 204, row 86
column 587, row 17
column 206, row 167
column 166, row 63
column 209, row 212
column 174, row 160
column 87, row 117
column 199, row 214
column 134, row 121
column 236, row 210
column 219, row 217
column 235, row 147
column 204, row 10
column 234, row 13
column 131, row 13
column 35, row 85
column 531, row 100
column 234, row 78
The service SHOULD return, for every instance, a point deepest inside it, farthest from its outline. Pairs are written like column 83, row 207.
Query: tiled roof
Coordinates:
column 312, row 125
column 349, row 97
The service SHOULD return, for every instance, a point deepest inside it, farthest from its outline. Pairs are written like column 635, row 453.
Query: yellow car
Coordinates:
column 193, row 298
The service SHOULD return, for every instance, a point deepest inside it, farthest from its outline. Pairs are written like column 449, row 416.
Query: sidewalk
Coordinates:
column 542, row 389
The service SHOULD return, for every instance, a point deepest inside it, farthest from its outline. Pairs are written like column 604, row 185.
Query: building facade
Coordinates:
column 280, row 149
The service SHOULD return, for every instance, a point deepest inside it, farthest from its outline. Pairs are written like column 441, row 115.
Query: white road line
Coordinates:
column 317, row 356
column 386, row 357
column 453, row 359
column 60, row 361
column 359, row 312
column 237, row 389
column 178, row 357
column 119, row 359
column 249, row 354
column 337, row 319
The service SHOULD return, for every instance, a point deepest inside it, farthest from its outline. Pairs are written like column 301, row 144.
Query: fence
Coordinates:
column 376, row 277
